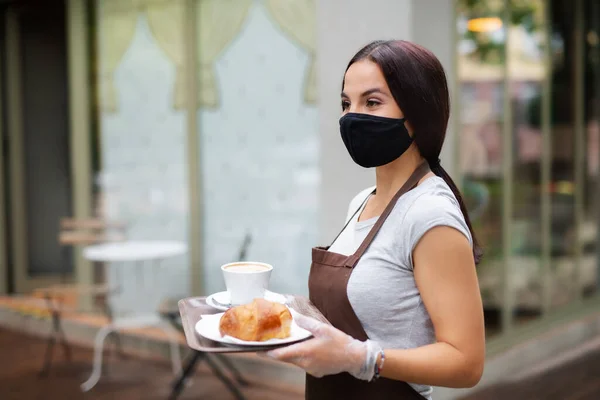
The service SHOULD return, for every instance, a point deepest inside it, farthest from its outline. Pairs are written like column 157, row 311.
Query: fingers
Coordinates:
column 319, row 329
column 306, row 355
column 306, row 363
column 316, row 374
column 289, row 353
column 310, row 324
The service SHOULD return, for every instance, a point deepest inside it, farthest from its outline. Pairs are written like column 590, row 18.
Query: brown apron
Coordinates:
column 328, row 281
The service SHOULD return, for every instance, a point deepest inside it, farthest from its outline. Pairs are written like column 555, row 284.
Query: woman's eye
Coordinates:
column 372, row 103
column 345, row 105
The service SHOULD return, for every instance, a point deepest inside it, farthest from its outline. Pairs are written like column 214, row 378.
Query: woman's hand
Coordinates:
column 330, row 352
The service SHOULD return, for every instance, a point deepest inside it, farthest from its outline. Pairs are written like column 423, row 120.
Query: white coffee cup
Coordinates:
column 246, row 280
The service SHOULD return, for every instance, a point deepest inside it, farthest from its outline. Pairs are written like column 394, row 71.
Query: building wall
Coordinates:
column 343, row 27
column 441, row 15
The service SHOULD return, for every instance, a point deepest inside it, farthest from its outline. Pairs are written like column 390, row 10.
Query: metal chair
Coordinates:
column 63, row 297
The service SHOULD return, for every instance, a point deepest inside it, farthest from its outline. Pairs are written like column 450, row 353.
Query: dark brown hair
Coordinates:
column 418, row 84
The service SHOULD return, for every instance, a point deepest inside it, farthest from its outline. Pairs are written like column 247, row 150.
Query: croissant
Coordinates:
column 258, row 321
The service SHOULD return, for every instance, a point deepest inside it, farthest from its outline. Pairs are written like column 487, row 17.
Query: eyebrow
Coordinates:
column 368, row 92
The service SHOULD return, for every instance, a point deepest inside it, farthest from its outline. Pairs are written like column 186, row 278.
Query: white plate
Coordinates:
column 208, row 327
column 223, row 298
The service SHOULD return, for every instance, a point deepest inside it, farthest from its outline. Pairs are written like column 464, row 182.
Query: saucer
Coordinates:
column 221, row 300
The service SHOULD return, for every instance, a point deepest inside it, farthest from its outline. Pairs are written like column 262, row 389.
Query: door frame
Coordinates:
column 3, row 246
column 80, row 118
column 79, row 141
column 14, row 112
column 23, row 283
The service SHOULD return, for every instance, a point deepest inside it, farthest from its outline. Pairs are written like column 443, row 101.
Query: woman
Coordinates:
column 398, row 284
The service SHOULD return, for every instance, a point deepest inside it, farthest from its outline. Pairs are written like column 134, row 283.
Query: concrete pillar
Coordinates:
column 343, row 27
column 441, row 41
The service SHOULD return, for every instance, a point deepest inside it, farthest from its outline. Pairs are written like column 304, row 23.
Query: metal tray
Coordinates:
column 192, row 309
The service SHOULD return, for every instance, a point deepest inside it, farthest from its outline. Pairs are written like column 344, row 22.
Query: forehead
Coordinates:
column 364, row 75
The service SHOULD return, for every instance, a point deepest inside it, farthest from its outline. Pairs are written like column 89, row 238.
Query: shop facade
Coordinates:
column 215, row 123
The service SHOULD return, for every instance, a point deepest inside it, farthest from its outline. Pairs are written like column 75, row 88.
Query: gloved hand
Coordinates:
column 330, row 352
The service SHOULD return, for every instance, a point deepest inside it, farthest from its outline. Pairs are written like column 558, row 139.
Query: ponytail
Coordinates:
column 417, row 81
column 437, row 169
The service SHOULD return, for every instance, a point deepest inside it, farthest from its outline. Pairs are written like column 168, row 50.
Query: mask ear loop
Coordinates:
column 412, row 138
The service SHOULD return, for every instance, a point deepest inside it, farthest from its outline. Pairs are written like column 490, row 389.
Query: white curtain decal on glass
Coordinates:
column 219, row 22
column 166, row 23
column 118, row 20
column 297, row 18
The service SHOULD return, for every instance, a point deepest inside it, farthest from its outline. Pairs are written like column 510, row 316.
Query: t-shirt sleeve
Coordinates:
column 427, row 212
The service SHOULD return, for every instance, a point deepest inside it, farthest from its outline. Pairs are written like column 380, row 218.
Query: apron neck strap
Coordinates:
column 410, row 184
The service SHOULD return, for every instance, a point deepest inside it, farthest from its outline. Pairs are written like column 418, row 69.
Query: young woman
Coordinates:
column 398, row 284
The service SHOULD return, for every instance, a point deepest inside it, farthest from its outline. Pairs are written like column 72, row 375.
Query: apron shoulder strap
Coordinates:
column 410, row 184
column 353, row 215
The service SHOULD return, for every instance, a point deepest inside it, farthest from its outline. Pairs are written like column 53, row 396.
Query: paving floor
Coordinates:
column 21, row 358
column 576, row 379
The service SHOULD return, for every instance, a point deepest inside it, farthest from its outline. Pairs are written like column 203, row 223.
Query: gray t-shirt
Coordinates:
column 382, row 288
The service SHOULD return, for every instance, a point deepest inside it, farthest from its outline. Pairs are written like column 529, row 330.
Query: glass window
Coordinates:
column 563, row 227
column 548, row 62
column 481, row 88
column 526, row 52
column 589, row 234
column 141, row 177
column 258, row 137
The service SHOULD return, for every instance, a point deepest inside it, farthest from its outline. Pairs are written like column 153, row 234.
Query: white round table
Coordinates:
column 137, row 253
column 134, row 251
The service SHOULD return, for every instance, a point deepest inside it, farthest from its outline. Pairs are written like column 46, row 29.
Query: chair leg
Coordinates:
column 115, row 338
column 234, row 371
column 223, row 378
column 58, row 330
column 188, row 369
column 175, row 354
column 63, row 340
column 56, row 335
column 48, row 356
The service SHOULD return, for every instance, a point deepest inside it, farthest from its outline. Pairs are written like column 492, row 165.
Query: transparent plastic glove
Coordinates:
column 330, row 352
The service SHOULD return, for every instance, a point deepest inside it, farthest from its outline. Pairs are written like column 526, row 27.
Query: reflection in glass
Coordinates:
column 562, row 184
column 591, row 219
column 548, row 61
column 141, row 163
column 481, row 91
column 527, row 74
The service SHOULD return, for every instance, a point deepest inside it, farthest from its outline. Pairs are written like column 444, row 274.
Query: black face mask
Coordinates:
column 374, row 141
